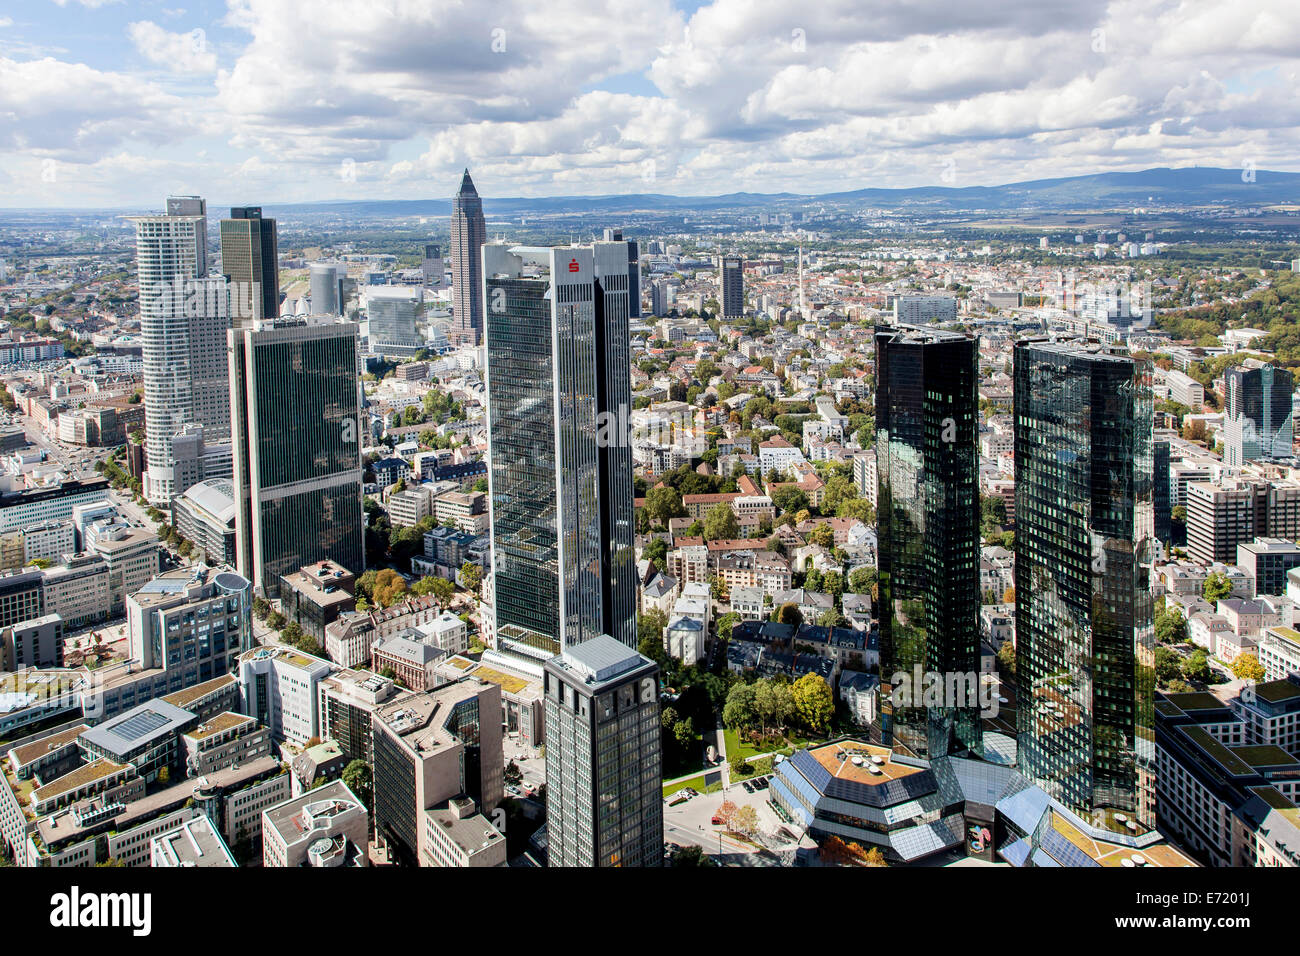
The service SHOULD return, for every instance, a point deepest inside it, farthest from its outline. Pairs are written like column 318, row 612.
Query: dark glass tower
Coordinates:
column 928, row 525
column 468, row 233
column 250, row 260
column 604, row 802
column 1161, row 505
column 1084, row 521
column 731, row 275
column 297, row 450
column 558, row 383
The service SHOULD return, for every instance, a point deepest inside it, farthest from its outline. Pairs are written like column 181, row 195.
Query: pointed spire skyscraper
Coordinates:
column 468, row 233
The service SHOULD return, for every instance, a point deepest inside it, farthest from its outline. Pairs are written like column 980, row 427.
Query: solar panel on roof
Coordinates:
column 139, row 725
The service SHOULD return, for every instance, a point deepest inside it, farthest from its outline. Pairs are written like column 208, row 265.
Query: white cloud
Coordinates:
column 178, row 52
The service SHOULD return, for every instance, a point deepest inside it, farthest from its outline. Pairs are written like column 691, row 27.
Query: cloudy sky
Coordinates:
column 115, row 102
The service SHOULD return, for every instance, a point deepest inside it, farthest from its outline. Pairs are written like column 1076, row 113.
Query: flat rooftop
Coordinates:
column 183, row 698
column 1113, row 854
column 138, row 727
column 215, row 725
column 874, row 765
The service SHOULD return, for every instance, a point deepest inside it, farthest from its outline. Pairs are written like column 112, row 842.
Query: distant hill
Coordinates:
column 1193, row 186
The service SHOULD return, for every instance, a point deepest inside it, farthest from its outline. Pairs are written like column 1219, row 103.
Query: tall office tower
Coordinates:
column 250, row 259
column 731, row 278
column 326, row 287
column 1259, row 420
column 297, row 448
column 468, row 234
column 633, row 271
column 392, row 312
column 183, row 322
column 1163, row 510
column 1084, row 522
column 558, row 383
column 929, row 541
column 432, row 266
column 194, row 206
column 603, row 770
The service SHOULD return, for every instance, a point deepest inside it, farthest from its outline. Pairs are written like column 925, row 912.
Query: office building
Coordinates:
column 928, row 530
column 194, row 842
column 468, row 234
column 192, row 622
column 1258, row 420
column 731, row 281
column 1160, row 502
column 278, row 686
column 37, row 642
column 297, row 448
column 346, row 701
column 432, row 748
column 1268, row 560
column 603, row 770
column 391, row 325
column 1233, row 511
column 33, row 506
column 130, row 554
column 432, row 266
column 1084, row 526
column 325, row 284
column 183, row 321
column 205, row 515
column 561, row 490
column 326, row 827
column 924, row 309
column 250, row 259
column 316, row 595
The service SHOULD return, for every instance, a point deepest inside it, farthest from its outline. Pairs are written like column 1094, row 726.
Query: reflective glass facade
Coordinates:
column 928, row 525
column 561, row 489
column 297, row 458
column 1084, row 523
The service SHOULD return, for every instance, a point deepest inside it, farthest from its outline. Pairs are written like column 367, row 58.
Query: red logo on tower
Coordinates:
column 573, row 265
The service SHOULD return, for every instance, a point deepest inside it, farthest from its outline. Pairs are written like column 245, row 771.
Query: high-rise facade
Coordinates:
column 731, row 278
column 1258, row 420
column 297, row 450
column 1084, row 525
column 250, row 260
column 929, row 544
column 468, row 234
column 326, row 285
column 392, row 313
column 633, row 271
column 559, row 393
column 603, row 771
column 183, row 320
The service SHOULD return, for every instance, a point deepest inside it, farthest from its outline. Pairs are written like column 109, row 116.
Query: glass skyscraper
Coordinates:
column 183, row 322
column 297, row 450
column 929, row 539
column 250, row 259
column 1259, row 420
column 559, row 395
column 1084, row 526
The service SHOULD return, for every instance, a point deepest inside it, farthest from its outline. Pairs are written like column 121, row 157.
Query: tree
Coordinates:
column 861, row 579
column 823, row 536
column 1007, row 657
column 789, row 614
column 1197, row 666
column 1168, row 666
column 745, row 820
column 789, row 500
column 1248, row 667
column 725, row 624
column 720, row 523
column 292, row 633
column 813, row 702
column 741, row 710
column 1217, row 587
column 1171, row 628
column 650, row 635
column 691, row 856
column 389, row 586
column 684, row 733
column 360, row 780
column 663, row 504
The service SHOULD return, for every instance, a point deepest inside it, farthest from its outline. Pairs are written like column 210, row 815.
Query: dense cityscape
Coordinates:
column 892, row 528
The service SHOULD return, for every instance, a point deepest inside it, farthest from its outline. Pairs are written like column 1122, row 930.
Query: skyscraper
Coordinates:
column 559, row 394
column 468, row 234
column 604, row 802
column 1084, row 524
column 929, row 544
column 194, row 206
column 183, row 321
column 633, row 271
column 1258, row 420
column 731, row 278
column 250, row 259
column 297, row 450
column 326, row 280
column 432, row 266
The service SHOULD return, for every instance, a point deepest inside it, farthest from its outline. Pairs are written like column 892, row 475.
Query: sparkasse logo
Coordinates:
column 75, row 909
